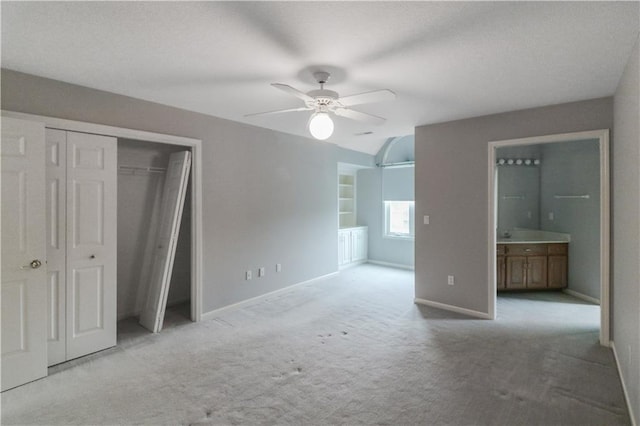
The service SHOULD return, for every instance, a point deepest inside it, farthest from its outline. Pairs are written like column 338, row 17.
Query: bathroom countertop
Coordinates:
column 502, row 240
column 533, row 236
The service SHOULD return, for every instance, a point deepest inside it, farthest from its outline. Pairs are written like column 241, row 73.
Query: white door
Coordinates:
column 56, row 243
column 173, row 195
column 91, row 243
column 24, row 294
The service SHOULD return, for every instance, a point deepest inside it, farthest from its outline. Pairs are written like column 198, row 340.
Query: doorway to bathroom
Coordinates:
column 549, row 218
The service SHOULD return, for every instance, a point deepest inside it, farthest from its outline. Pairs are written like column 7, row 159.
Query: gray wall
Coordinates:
column 399, row 187
column 574, row 168
column 514, row 180
column 626, row 229
column 452, row 187
column 138, row 196
column 268, row 197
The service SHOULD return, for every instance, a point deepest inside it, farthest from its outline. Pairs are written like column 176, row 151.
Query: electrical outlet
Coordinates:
column 278, row 267
column 261, row 272
column 426, row 219
column 249, row 275
column 450, row 280
column 551, row 216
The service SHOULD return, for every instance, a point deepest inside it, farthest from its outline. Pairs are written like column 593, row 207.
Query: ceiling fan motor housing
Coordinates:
column 322, row 98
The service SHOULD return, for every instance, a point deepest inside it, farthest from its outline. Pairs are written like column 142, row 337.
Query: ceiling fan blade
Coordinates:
column 278, row 111
column 368, row 97
column 293, row 91
column 359, row 116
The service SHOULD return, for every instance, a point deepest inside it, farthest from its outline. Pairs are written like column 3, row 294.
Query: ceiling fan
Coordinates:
column 324, row 102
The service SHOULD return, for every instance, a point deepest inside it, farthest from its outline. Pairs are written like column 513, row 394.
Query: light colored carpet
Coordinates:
column 353, row 349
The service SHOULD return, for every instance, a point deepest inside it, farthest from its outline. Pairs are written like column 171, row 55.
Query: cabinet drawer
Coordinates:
column 526, row 249
column 558, row 248
column 501, row 250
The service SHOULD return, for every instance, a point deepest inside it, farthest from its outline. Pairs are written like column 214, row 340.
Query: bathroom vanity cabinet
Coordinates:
column 531, row 266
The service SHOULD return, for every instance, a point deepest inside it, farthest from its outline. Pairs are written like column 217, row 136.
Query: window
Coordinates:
column 399, row 219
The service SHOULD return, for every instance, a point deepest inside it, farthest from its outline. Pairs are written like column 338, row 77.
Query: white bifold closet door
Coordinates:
column 81, row 243
column 173, row 195
column 24, row 348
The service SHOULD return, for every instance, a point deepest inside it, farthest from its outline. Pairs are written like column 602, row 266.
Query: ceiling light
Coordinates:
column 321, row 125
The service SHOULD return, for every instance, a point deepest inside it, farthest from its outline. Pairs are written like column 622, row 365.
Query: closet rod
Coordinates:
column 557, row 197
column 134, row 169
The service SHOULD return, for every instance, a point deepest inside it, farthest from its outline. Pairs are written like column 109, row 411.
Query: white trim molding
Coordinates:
column 457, row 309
column 624, row 386
column 196, row 182
column 352, row 264
column 603, row 141
column 248, row 302
column 581, row 296
column 391, row 265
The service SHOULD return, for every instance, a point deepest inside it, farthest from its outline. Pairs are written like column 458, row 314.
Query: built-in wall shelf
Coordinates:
column 346, row 199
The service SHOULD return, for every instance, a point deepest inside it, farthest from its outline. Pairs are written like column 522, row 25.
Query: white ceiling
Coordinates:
column 444, row 60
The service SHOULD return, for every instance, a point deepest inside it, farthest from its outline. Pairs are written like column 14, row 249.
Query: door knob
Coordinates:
column 35, row 264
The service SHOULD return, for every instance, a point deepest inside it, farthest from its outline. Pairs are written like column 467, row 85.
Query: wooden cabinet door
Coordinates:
column 557, row 271
column 516, row 272
column 536, row 271
column 500, row 272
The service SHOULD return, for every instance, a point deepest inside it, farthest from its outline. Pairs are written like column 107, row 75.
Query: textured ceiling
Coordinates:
column 445, row 60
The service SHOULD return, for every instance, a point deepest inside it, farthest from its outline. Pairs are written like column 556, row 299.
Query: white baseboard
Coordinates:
column 452, row 308
column 581, row 296
column 391, row 265
column 624, row 386
column 217, row 312
column 352, row 264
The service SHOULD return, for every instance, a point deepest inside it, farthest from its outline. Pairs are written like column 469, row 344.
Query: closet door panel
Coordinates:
column 175, row 186
column 91, row 246
column 87, row 286
column 56, row 239
column 23, row 287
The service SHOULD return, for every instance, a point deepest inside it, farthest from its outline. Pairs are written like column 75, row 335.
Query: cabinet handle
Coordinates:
column 528, row 249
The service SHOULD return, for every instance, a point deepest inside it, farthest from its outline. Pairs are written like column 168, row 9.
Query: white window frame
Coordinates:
column 412, row 222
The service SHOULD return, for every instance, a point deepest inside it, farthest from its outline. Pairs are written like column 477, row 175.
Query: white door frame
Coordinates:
column 603, row 142
column 196, row 179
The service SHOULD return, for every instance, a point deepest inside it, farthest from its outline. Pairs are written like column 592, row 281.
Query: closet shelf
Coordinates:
column 133, row 169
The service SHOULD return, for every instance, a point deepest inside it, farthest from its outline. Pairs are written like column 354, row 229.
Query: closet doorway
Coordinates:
column 149, row 147
column 142, row 171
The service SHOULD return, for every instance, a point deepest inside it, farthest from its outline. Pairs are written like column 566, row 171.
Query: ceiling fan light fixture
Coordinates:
column 321, row 125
